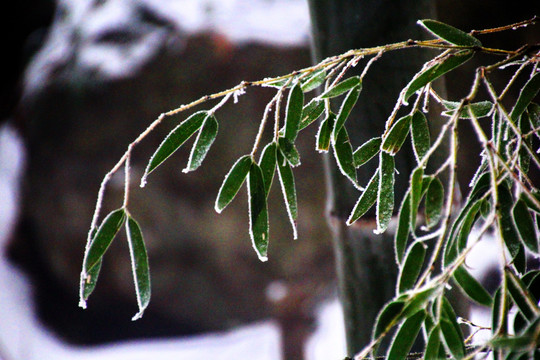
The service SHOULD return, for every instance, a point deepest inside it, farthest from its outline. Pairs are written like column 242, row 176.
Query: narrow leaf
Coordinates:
column 434, row 202
column 452, row 334
column 313, row 81
column 289, row 151
column 341, row 87
column 425, row 76
column 405, row 337
column 397, row 134
column 139, row 265
column 385, row 194
column 91, row 280
column 412, row 265
column 449, row 33
column 387, row 317
column 527, row 94
column 267, row 163
column 311, row 112
column 366, row 200
column 343, row 153
column 175, row 139
column 103, row 238
column 420, row 135
column 506, row 223
column 471, row 287
column 202, row 144
column 325, row 133
column 286, row 179
column 525, row 302
column 433, row 344
column 367, row 151
column 258, row 212
column 525, row 225
column 479, row 110
column 417, row 178
column 295, row 105
column 232, row 182
column 345, row 110
column 403, row 228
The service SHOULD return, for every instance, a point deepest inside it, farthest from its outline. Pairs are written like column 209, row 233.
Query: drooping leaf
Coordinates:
column 433, row 344
column 425, row 76
column 405, row 336
column 311, row 112
column 139, row 265
column 342, row 87
column 289, row 151
column 232, row 182
column 403, row 228
column 525, row 225
column 343, row 153
column 532, row 205
column 508, row 229
column 412, row 265
column 419, row 299
column 175, row 139
column 434, row 202
column 90, row 282
column 420, row 135
column 527, row 94
column 416, row 182
column 449, row 33
column 366, row 200
column 452, row 334
column 385, row 194
column 202, row 144
column 103, row 238
column 314, row 80
column 367, row 151
column 524, row 300
column 388, row 316
column 325, row 133
column 479, row 109
column 286, row 179
column 258, row 212
column 267, row 163
column 295, row 105
column 345, row 110
column 526, row 341
column 471, row 287
column 397, row 134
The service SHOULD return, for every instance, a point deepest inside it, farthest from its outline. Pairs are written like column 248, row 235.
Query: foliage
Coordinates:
column 431, row 245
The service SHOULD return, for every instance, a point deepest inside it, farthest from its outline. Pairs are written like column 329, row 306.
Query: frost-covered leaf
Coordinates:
column 385, row 193
column 403, row 228
column 344, row 156
column 479, row 109
column 295, row 105
column 325, row 133
column 342, row 87
column 202, row 144
column 267, row 162
column 139, row 265
column 311, row 112
column 232, row 182
column 449, row 33
column 314, row 80
column 345, row 110
column 434, row 202
column 452, row 334
column 412, row 265
column 90, row 282
column 508, row 229
column 524, row 300
column 471, row 287
column 405, row 336
column 416, row 191
column 397, row 134
column 525, row 225
column 175, row 139
column 258, row 212
column 420, row 135
column 390, row 314
column 289, row 151
column 527, row 94
column 286, row 179
column 366, row 200
column 433, row 344
column 367, row 151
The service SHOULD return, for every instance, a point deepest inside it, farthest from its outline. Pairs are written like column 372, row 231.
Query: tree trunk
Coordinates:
column 365, row 262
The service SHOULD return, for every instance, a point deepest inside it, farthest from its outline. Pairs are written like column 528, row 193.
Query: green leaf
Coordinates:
column 342, row 87
column 425, row 76
column 175, row 139
column 103, row 238
column 506, row 224
column 419, row 299
column 287, row 148
column 525, row 225
column 397, row 134
column 345, row 110
column 405, row 336
column 480, row 109
column 417, row 180
column 232, row 182
column 367, row 151
column 295, row 105
column 433, row 344
column 420, row 135
column 527, row 340
column 524, row 300
column 403, row 228
column 412, row 265
column 452, row 334
column 202, row 144
column 343, row 153
column 527, row 94
column 434, row 202
column 471, row 287
column 314, row 80
column 366, row 200
column 91, row 280
column 385, row 194
column 387, row 317
column 311, row 112
column 286, row 179
column 258, row 212
column 530, row 203
column 325, row 132
column 267, row 163
column 449, row 33
column 139, row 265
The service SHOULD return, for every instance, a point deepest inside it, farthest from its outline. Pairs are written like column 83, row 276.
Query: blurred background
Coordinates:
column 81, row 80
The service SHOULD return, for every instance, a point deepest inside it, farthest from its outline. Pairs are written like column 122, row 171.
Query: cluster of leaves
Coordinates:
column 502, row 197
